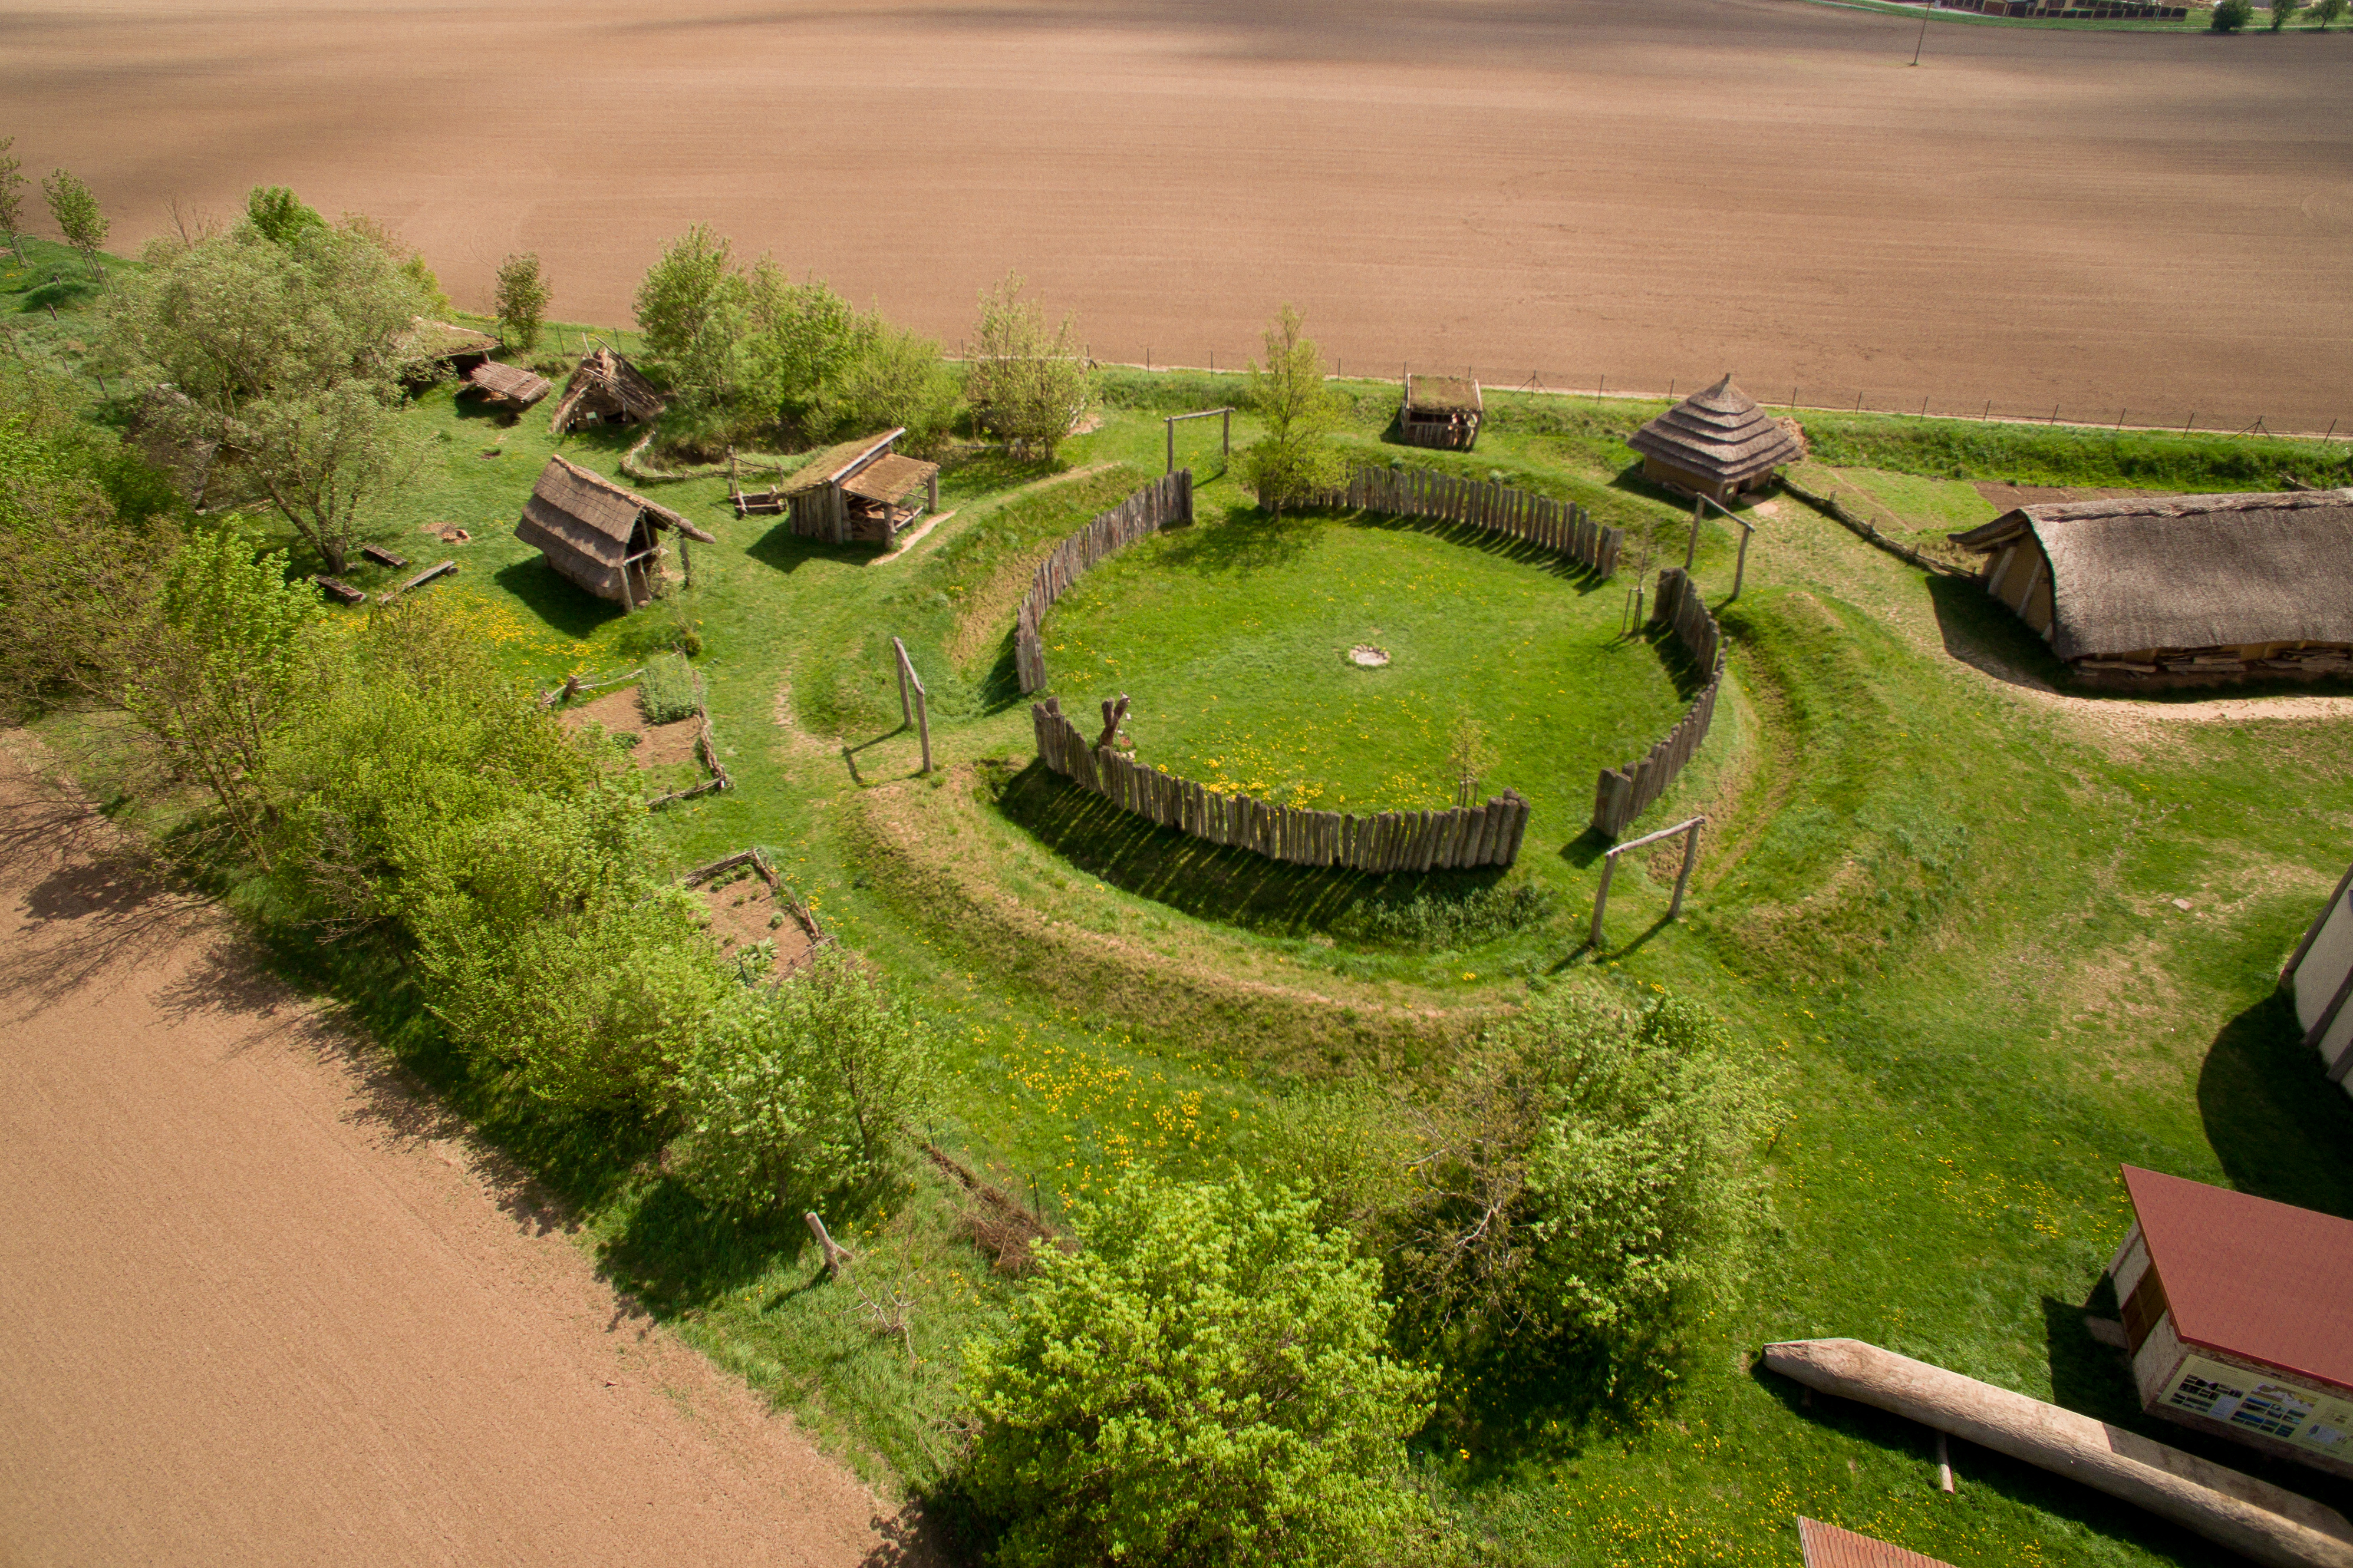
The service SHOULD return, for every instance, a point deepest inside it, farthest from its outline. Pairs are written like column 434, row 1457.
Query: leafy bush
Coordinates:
column 1027, row 382
column 1423, row 921
column 2229, row 16
column 2329, row 11
column 1588, row 1180
column 1296, row 457
column 821, row 1086
column 670, row 690
column 1203, row 1382
column 2281, row 10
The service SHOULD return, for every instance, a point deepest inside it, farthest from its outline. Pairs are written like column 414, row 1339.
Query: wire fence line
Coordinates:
column 1819, row 398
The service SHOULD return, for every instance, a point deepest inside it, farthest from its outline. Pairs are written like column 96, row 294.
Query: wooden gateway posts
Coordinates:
column 1441, row 411
column 1225, row 437
column 2181, row 590
column 859, row 490
column 604, row 389
column 919, row 714
column 1717, row 444
column 599, row 535
column 1689, row 828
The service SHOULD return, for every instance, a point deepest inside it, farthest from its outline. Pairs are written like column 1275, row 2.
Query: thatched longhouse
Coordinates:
column 1441, row 411
column 598, row 534
column 604, row 389
column 2181, row 590
column 1715, row 444
column 861, row 490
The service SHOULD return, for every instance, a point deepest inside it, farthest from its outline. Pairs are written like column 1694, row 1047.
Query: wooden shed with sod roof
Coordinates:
column 861, row 490
column 604, row 389
column 2181, row 590
column 600, row 535
column 2319, row 975
column 1828, row 1546
column 1440, row 411
column 1715, row 444
column 2239, row 1314
column 508, row 385
column 462, row 349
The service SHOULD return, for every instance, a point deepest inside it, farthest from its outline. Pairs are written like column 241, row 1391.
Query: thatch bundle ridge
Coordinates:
column 605, row 387
column 597, row 533
column 1718, row 435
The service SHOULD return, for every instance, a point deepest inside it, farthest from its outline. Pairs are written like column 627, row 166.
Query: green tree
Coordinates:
column 521, row 301
column 1027, row 383
column 12, row 196
column 1203, row 1381
column 75, row 206
column 278, row 215
column 2229, row 16
column 2282, row 11
column 222, row 671
column 803, row 336
column 894, row 377
column 691, row 305
column 2329, row 11
column 1295, row 458
column 290, row 357
column 821, row 1086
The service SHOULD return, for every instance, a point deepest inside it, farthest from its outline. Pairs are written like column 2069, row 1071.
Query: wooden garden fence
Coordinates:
column 1487, row 835
column 1555, row 525
column 1624, row 794
column 1163, row 502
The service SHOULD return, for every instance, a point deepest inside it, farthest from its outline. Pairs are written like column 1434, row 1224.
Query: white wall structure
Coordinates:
column 2321, row 974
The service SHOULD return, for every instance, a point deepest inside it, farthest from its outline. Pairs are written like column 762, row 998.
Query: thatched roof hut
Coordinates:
column 1715, row 444
column 861, row 490
column 1441, row 411
column 2181, row 590
column 606, row 389
column 509, row 383
column 598, row 534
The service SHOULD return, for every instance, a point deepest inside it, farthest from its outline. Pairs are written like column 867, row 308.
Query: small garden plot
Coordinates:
column 1238, row 643
column 744, row 914
column 665, row 752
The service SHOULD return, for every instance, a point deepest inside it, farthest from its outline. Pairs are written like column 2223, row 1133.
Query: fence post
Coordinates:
column 1691, row 854
column 1740, row 567
column 1602, row 897
column 899, row 651
column 1691, row 550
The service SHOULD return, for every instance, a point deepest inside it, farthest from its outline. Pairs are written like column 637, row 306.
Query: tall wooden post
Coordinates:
column 1227, row 438
column 923, row 725
column 1740, row 567
column 1171, row 422
column 1601, row 897
column 1682, row 878
column 899, row 655
column 1691, row 552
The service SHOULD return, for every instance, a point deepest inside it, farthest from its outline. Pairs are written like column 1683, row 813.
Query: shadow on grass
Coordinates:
column 1579, row 577
column 1208, row 881
column 2275, row 1123
column 674, row 1253
column 1517, row 1402
column 562, row 604
column 788, row 552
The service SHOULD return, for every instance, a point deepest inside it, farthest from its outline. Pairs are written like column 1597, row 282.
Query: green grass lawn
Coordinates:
column 1938, row 904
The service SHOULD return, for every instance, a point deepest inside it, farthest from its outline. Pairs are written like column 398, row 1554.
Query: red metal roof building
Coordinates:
column 1828, row 1546
column 2239, row 1313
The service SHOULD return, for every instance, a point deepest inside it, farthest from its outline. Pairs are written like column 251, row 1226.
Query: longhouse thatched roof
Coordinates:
column 1442, row 394
column 836, row 461
column 510, row 382
column 1720, row 433
column 2188, row 572
column 590, row 514
column 890, row 478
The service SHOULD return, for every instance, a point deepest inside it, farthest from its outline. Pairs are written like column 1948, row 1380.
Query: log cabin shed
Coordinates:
column 2159, row 591
column 861, row 490
column 1716, row 443
column 604, row 389
column 2239, row 1314
column 1828, row 1546
column 1441, row 411
column 599, row 535
column 2319, row 977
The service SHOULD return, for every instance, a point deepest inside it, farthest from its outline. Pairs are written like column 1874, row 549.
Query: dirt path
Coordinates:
column 260, row 1305
column 1590, row 188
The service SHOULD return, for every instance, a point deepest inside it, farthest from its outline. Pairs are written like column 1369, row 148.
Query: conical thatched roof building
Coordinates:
column 1714, row 443
column 598, row 534
column 608, row 388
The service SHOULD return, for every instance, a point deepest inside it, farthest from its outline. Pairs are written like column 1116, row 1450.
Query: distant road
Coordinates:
column 258, row 1306
column 2155, row 226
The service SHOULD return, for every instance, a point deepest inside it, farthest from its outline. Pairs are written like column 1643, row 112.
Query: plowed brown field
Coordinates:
column 260, row 1305
column 2154, row 225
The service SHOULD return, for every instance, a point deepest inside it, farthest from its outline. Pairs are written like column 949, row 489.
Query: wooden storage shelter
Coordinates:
column 2319, row 975
column 861, row 490
column 1441, row 411
column 604, row 389
column 598, row 534
column 462, row 349
column 2181, row 590
column 508, row 384
column 1717, row 444
column 2239, row 1314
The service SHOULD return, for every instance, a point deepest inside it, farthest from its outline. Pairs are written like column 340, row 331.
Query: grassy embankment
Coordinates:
column 1939, row 903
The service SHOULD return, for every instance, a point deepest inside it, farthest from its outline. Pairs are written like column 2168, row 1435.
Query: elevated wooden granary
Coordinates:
column 604, row 389
column 599, row 535
column 1717, row 444
column 1441, row 411
column 2239, row 1314
column 2181, row 590
column 860, row 490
